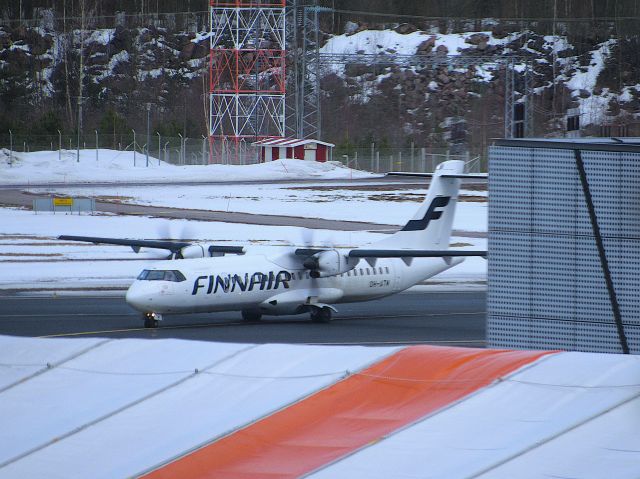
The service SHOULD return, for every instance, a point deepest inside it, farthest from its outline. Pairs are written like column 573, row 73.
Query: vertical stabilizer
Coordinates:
column 430, row 228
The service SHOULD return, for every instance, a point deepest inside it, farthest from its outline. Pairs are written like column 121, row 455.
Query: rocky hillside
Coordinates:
column 127, row 67
column 437, row 104
column 124, row 68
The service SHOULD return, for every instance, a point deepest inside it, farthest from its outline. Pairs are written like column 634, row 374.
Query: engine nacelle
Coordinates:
column 329, row 263
column 194, row 251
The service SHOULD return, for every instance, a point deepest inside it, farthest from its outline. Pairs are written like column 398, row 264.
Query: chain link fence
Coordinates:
column 413, row 159
column 200, row 151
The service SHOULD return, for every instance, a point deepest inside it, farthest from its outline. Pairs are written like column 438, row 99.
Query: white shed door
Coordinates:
column 310, row 155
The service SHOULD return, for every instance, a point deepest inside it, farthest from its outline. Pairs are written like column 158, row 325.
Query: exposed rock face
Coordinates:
column 426, row 100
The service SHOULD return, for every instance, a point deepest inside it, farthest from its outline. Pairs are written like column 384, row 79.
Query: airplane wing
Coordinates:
column 174, row 246
column 405, row 253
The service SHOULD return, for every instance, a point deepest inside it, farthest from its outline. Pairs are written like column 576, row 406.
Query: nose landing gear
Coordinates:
column 321, row 315
column 151, row 320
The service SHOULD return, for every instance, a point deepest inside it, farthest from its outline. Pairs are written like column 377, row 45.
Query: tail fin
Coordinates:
column 430, row 228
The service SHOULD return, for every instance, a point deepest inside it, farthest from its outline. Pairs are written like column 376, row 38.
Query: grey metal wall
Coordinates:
column 547, row 285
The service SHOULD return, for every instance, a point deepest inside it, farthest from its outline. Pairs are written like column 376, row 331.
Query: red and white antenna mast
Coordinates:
column 247, row 75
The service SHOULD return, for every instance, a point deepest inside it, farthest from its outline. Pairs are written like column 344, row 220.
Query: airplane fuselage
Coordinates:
column 259, row 283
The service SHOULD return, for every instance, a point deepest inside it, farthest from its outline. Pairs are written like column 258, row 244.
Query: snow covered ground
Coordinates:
column 34, row 260
column 115, row 166
column 334, row 202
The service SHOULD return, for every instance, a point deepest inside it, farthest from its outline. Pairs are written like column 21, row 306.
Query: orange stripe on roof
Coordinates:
column 350, row 414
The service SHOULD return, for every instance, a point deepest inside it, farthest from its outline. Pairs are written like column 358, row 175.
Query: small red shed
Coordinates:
column 293, row 148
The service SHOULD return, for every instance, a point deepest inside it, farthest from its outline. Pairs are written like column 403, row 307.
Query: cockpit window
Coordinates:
column 161, row 275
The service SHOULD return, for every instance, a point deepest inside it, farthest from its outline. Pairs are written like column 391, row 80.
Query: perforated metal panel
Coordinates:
column 547, row 286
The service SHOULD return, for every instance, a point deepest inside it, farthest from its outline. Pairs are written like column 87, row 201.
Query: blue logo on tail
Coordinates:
column 433, row 213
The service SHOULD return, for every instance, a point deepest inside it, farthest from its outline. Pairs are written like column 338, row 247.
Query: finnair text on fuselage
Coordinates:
column 231, row 283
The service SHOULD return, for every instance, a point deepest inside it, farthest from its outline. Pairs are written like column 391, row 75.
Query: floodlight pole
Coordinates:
column 96, row 145
column 59, row 146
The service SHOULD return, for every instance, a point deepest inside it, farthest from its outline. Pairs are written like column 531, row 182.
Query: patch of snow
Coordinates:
column 592, row 109
column 19, row 46
column 122, row 56
column 102, row 36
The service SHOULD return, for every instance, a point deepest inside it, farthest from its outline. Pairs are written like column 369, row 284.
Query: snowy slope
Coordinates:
column 118, row 166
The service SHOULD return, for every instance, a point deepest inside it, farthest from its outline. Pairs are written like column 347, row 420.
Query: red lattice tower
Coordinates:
column 247, row 75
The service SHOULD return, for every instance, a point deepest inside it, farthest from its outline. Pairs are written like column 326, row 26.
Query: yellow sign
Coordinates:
column 63, row 202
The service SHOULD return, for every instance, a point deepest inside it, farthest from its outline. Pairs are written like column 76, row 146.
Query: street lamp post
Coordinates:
column 96, row 145
column 59, row 146
column 159, row 154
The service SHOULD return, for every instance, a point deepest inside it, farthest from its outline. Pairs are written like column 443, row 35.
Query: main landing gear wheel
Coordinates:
column 251, row 316
column 151, row 320
column 321, row 315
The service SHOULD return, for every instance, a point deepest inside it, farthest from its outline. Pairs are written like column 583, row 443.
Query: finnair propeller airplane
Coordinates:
column 290, row 280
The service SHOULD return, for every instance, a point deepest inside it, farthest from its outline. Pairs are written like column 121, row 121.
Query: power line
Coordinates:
column 499, row 19
column 360, row 13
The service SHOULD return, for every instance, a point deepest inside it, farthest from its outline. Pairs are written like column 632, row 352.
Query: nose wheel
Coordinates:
column 151, row 320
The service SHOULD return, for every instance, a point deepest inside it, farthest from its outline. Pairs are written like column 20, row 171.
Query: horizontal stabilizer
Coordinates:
column 406, row 253
column 462, row 176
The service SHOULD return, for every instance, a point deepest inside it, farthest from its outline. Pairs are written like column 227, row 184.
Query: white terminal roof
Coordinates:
column 120, row 408
column 289, row 142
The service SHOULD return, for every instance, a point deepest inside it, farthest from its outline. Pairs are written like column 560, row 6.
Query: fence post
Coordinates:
column 10, row 148
column 148, row 132
column 412, row 156
column 134, row 146
column 373, row 147
column 184, row 151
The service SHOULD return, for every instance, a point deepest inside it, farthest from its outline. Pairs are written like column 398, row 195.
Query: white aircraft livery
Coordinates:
column 289, row 280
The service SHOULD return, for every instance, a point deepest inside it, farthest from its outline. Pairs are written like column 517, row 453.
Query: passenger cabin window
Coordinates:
column 161, row 275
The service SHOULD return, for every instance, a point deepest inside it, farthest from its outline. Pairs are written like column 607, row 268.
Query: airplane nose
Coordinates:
column 139, row 297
